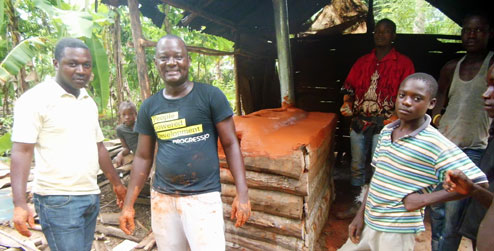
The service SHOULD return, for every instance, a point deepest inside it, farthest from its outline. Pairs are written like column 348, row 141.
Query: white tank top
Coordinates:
column 465, row 121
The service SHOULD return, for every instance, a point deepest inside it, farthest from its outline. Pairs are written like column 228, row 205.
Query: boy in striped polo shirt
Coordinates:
column 411, row 158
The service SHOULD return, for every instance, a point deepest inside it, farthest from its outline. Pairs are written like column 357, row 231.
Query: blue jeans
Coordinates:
column 68, row 221
column 446, row 217
column 360, row 143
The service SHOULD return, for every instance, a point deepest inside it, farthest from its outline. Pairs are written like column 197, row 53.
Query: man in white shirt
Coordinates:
column 57, row 122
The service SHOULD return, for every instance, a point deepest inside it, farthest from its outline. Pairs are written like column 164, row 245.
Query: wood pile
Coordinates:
column 107, row 224
column 288, row 156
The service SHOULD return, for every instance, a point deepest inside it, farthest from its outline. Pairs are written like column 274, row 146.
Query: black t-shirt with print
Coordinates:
column 128, row 135
column 187, row 158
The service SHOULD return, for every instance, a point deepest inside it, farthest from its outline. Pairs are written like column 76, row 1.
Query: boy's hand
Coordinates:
column 118, row 161
column 23, row 215
column 457, row 181
column 413, row 202
column 120, row 192
column 127, row 220
column 241, row 211
column 355, row 228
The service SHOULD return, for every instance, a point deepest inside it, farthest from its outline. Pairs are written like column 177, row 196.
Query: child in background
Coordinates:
column 125, row 131
column 411, row 158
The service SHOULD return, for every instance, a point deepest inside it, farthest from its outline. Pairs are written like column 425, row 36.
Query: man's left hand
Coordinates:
column 241, row 211
column 120, row 192
column 457, row 181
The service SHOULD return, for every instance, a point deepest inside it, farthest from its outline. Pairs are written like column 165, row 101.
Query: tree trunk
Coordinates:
column 117, row 52
column 142, row 70
column 14, row 34
column 419, row 22
column 168, row 27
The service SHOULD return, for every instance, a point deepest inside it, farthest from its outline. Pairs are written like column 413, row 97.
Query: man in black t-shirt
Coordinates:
column 185, row 119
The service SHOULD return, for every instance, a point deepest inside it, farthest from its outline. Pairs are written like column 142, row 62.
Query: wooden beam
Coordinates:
column 188, row 19
column 205, row 51
column 201, row 13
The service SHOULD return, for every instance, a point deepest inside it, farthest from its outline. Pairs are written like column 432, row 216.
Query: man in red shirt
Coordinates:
column 371, row 88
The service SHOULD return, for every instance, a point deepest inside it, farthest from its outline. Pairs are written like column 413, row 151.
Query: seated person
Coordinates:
column 125, row 131
column 410, row 160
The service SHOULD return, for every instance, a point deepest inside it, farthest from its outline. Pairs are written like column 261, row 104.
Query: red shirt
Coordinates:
column 391, row 70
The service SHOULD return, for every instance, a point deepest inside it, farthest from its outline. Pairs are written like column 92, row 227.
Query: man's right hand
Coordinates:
column 23, row 215
column 127, row 220
column 355, row 228
column 346, row 108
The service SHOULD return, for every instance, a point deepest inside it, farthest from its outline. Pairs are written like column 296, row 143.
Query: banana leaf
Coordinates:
column 18, row 57
column 101, row 70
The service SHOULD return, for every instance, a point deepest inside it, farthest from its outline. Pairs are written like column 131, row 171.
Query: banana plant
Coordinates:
column 18, row 57
column 82, row 24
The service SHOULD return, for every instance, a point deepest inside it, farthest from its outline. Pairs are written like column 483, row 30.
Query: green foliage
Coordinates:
column 100, row 83
column 5, row 143
column 415, row 16
column 5, row 127
column 18, row 57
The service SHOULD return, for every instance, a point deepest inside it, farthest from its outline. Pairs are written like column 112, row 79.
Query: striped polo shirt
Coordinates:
column 414, row 163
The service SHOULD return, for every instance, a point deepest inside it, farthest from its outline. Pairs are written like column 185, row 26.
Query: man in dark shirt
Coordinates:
column 185, row 119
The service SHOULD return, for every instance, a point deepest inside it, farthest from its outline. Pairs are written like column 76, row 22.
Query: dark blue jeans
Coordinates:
column 361, row 144
column 446, row 217
column 68, row 221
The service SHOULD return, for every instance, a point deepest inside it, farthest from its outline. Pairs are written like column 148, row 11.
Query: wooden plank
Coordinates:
column 272, row 202
column 250, row 244
column 316, row 220
column 116, row 232
column 272, row 223
column 11, row 241
column 319, row 186
column 251, row 232
column 266, row 181
column 291, row 166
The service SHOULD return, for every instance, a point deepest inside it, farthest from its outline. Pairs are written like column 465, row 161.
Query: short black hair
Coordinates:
column 126, row 105
column 171, row 36
column 429, row 80
column 68, row 43
column 387, row 22
column 477, row 13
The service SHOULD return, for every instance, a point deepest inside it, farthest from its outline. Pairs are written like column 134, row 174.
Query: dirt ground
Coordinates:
column 142, row 216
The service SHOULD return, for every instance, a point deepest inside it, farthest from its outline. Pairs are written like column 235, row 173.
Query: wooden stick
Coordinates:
column 145, row 241
column 25, row 244
column 116, row 232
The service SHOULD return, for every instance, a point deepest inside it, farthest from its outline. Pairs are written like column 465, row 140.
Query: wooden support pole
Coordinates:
column 284, row 54
column 142, row 69
column 117, row 52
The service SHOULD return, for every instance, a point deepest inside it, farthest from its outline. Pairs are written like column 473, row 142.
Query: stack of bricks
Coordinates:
column 288, row 156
